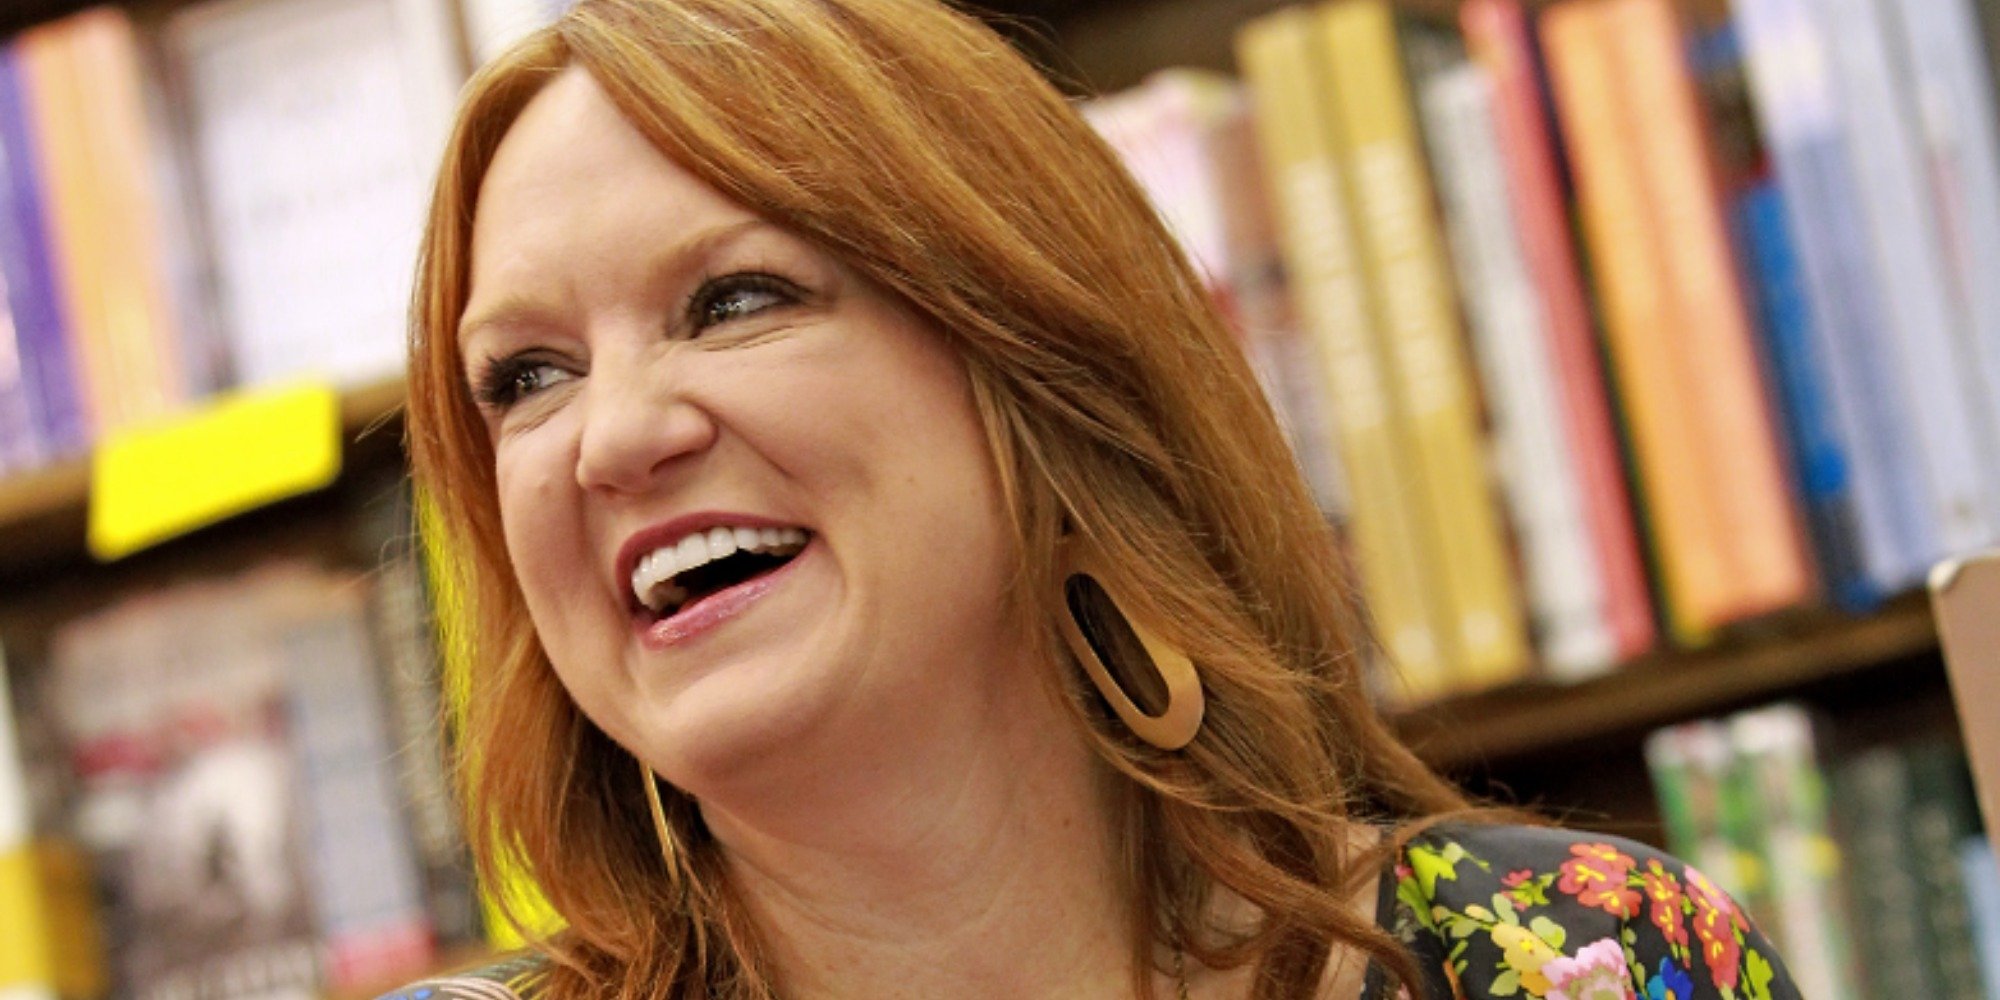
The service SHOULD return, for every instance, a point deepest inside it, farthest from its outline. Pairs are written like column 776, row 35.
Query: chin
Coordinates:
column 751, row 725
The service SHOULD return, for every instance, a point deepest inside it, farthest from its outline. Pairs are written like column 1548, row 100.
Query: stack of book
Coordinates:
column 230, row 195
column 1626, row 320
column 1870, row 872
column 254, row 767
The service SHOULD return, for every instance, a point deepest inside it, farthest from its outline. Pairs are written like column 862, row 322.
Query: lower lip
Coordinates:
column 711, row 612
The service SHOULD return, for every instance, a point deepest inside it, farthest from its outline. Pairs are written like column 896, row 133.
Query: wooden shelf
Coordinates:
column 43, row 513
column 1766, row 663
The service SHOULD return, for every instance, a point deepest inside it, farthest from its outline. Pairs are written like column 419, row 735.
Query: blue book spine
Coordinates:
column 48, row 367
column 1818, row 452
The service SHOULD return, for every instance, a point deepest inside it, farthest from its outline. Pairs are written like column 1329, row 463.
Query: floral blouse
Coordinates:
column 1501, row 911
column 1492, row 911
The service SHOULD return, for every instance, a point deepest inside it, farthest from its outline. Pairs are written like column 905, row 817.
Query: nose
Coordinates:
column 637, row 421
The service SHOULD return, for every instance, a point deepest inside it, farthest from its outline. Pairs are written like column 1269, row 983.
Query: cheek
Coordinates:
column 538, row 517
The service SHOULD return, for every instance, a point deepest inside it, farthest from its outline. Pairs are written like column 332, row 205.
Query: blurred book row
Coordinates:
column 1869, row 870
column 208, row 195
column 234, row 787
column 1607, row 324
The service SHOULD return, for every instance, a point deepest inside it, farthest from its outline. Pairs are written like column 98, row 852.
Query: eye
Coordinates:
column 738, row 296
column 507, row 381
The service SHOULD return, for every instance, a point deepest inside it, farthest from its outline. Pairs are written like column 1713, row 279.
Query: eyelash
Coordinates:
column 499, row 384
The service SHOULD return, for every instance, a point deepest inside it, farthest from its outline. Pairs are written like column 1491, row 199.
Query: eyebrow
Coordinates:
column 514, row 308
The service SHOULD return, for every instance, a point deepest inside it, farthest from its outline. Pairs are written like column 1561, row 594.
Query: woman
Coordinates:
column 884, row 578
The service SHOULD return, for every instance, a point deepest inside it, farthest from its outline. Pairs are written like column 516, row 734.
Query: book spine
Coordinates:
column 1871, row 793
column 141, row 328
column 1402, row 249
column 1510, row 343
column 1776, row 766
column 366, row 896
column 1943, row 812
column 1981, row 874
column 1301, row 153
column 1500, row 39
column 27, row 950
column 1688, row 764
column 56, row 115
column 1954, row 108
column 61, row 424
column 1819, row 455
column 1798, row 111
column 1762, row 538
column 1922, row 320
column 406, row 638
column 1695, row 574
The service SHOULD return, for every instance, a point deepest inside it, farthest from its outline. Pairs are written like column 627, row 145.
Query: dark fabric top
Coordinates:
column 1491, row 912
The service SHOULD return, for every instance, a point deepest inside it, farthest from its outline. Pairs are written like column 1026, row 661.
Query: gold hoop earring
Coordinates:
column 1176, row 724
column 669, row 851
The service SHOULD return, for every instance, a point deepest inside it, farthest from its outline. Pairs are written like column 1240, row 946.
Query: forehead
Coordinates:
column 575, row 184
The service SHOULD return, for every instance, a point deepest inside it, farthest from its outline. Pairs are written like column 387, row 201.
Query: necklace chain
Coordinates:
column 1180, row 973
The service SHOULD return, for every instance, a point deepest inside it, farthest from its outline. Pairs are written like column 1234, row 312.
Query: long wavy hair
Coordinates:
column 911, row 142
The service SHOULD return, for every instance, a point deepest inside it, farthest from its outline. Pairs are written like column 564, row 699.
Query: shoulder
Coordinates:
column 518, row 977
column 1545, row 912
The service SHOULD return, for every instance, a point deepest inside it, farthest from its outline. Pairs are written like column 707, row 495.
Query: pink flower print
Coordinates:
column 1597, row 877
column 1597, row 972
column 1664, row 892
column 1513, row 879
column 1715, row 923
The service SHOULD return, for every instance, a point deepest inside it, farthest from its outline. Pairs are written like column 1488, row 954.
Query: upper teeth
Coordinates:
column 652, row 579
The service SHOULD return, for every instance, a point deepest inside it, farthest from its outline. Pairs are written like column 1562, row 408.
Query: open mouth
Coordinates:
column 675, row 577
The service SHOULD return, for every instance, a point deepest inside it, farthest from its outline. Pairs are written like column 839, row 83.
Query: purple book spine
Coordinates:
column 28, row 265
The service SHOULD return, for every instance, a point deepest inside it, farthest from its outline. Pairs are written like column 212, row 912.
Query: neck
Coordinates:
column 988, row 869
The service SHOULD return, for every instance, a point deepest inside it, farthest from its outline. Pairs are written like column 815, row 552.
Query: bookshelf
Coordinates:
column 1525, row 738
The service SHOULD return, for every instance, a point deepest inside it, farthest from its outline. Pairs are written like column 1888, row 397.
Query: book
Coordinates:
column 61, row 423
column 1982, row 882
column 1186, row 137
column 1922, row 320
column 1943, row 812
column 1950, row 78
column 314, row 126
column 1400, row 244
column 173, row 717
column 1781, row 792
column 1283, row 63
column 368, row 902
column 1545, row 504
column 1499, row 38
column 1871, row 794
column 1762, row 539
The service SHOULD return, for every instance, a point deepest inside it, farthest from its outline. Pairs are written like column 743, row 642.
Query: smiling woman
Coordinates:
column 884, row 577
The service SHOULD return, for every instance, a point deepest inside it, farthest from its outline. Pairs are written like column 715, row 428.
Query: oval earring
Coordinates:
column 1175, row 724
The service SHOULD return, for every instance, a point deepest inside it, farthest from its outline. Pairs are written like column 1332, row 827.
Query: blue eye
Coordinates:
column 738, row 296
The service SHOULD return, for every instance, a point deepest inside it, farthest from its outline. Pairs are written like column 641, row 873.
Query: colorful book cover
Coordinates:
column 1762, row 538
column 1401, row 249
column 1499, row 37
column 1302, row 153
column 27, row 261
column 1649, row 365
column 1778, row 781
column 1798, row 110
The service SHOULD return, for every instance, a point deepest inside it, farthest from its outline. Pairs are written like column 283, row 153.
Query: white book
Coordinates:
column 1922, row 316
column 1510, row 340
column 1954, row 107
column 1799, row 114
column 317, row 126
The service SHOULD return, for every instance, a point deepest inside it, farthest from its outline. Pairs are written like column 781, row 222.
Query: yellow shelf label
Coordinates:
column 240, row 452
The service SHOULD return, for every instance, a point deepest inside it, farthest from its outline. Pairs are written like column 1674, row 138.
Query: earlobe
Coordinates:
column 1175, row 722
